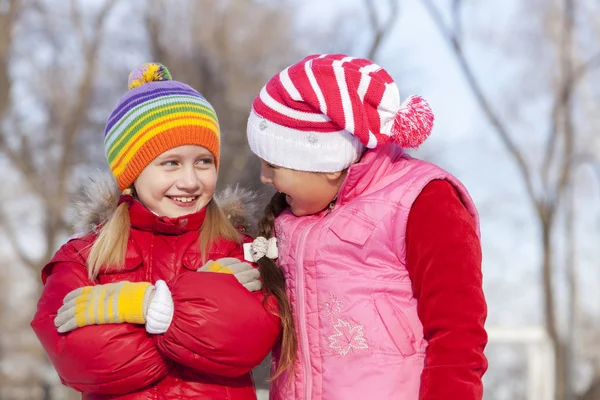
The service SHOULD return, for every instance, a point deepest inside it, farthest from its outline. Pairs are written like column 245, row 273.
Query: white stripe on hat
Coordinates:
column 365, row 79
column 315, row 86
column 388, row 107
column 287, row 83
column 340, row 77
column 290, row 112
column 367, row 69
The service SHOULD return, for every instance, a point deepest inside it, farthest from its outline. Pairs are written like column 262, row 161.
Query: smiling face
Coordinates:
column 178, row 182
column 306, row 192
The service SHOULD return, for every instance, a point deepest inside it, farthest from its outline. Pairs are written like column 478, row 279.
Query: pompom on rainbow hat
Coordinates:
column 155, row 115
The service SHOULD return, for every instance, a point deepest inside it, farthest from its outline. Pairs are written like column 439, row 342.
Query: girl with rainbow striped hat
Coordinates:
column 155, row 300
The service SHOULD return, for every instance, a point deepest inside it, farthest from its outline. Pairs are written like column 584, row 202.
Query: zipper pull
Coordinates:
column 331, row 207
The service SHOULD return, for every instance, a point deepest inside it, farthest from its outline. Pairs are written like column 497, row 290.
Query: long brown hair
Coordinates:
column 110, row 247
column 274, row 284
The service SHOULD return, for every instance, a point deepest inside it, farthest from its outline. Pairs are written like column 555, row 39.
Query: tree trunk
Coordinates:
column 549, row 309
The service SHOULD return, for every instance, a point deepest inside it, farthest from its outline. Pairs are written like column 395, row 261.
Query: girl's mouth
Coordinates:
column 184, row 201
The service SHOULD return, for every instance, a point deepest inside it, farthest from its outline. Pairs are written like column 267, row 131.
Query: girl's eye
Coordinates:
column 170, row 163
column 271, row 166
column 206, row 161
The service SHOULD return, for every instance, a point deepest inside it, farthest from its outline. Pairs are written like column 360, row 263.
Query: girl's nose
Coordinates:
column 265, row 176
column 188, row 180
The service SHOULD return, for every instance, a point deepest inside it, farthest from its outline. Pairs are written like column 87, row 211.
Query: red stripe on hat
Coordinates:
column 276, row 117
column 382, row 75
column 361, row 118
column 372, row 99
column 324, row 74
column 298, row 75
column 292, row 122
column 281, row 95
column 366, row 119
column 358, row 63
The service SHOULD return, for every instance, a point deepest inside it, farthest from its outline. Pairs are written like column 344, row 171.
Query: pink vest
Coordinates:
column 356, row 318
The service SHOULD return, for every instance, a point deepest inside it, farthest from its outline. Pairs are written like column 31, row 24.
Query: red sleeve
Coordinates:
column 444, row 263
column 218, row 326
column 103, row 359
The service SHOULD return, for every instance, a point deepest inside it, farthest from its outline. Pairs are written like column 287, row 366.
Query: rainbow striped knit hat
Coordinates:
column 155, row 115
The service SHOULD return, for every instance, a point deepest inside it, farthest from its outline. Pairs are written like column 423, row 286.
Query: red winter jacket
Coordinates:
column 219, row 332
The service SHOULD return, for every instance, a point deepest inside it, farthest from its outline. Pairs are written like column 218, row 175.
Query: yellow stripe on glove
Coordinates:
column 111, row 303
column 247, row 275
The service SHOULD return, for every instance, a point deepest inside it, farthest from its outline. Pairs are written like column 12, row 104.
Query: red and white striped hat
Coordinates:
column 320, row 113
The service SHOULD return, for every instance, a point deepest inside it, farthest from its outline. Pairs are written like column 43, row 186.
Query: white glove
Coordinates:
column 160, row 310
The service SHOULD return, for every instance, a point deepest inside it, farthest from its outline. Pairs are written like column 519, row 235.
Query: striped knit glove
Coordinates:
column 112, row 303
column 247, row 275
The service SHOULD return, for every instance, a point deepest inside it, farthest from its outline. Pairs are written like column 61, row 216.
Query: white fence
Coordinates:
column 540, row 357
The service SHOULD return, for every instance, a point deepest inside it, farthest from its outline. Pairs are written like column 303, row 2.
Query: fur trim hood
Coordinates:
column 98, row 197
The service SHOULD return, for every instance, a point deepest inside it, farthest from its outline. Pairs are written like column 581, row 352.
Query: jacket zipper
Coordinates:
column 300, row 283
column 330, row 207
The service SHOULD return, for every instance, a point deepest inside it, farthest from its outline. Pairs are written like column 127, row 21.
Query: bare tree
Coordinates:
column 226, row 49
column 227, row 56
column 8, row 19
column 66, row 109
column 43, row 156
column 547, row 183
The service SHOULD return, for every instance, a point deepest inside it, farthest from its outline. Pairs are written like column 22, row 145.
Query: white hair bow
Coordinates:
column 259, row 248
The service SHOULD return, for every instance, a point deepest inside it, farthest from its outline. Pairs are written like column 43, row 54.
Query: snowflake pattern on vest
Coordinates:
column 347, row 336
column 332, row 307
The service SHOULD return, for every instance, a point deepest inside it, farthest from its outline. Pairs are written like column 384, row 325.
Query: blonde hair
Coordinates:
column 110, row 247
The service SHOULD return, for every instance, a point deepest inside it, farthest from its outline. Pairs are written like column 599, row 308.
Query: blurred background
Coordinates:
column 513, row 83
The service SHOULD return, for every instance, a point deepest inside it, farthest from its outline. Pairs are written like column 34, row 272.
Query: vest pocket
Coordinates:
column 353, row 227
column 397, row 325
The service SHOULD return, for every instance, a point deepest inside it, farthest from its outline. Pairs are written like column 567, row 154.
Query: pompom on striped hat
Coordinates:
column 321, row 113
column 155, row 115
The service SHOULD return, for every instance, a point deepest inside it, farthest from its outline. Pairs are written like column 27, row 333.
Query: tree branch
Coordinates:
column 380, row 31
column 586, row 67
column 82, row 98
column 79, row 24
column 570, row 83
column 567, row 102
column 485, row 104
column 9, row 232
column 72, row 127
column 22, row 163
column 456, row 8
column 7, row 21
column 154, row 27
column 552, row 138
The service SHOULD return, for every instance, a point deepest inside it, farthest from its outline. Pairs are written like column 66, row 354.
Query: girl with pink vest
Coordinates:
column 380, row 251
